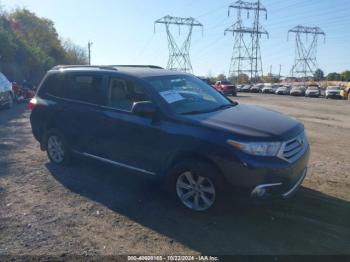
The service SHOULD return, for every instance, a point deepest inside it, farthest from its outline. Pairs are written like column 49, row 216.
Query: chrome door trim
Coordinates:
column 115, row 163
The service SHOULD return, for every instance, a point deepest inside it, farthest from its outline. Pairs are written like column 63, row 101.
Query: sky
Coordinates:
column 122, row 31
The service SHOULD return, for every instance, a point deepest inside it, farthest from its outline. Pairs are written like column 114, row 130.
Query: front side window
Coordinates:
column 85, row 88
column 122, row 94
column 188, row 95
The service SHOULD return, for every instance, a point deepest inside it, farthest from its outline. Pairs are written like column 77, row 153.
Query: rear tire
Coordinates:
column 195, row 184
column 57, row 149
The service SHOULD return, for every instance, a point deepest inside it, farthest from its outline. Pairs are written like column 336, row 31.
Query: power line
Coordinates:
column 246, row 56
column 179, row 57
column 305, row 63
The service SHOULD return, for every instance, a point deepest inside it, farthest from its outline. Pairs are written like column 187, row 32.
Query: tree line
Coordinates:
column 30, row 45
column 269, row 78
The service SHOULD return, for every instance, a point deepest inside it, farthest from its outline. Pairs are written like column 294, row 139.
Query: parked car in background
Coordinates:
column 298, row 91
column 333, row 92
column 195, row 141
column 345, row 93
column 256, row 88
column 238, row 88
column 225, row 87
column 246, row 88
column 268, row 89
column 6, row 92
column 313, row 91
column 283, row 90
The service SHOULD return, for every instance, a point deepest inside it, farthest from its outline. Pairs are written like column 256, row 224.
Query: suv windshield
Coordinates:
column 188, row 95
column 313, row 88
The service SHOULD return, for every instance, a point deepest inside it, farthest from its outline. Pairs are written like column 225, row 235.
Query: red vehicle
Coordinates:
column 225, row 87
column 22, row 93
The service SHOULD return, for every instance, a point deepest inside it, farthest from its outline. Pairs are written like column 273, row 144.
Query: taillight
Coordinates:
column 32, row 104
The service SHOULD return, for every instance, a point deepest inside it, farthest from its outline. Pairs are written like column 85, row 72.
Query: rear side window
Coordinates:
column 85, row 88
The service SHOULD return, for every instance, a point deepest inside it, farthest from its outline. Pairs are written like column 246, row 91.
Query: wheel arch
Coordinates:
column 191, row 155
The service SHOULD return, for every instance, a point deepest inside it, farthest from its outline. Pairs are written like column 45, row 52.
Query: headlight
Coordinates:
column 257, row 149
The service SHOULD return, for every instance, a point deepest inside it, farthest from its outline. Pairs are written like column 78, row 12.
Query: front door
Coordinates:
column 125, row 138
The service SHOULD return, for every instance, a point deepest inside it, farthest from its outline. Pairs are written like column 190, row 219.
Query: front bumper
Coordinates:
column 313, row 94
column 229, row 92
column 278, row 178
column 333, row 95
column 274, row 190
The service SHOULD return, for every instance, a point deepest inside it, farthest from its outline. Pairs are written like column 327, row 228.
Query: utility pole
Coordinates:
column 257, row 46
column 279, row 72
column 89, row 51
column 246, row 57
column 305, row 62
column 179, row 57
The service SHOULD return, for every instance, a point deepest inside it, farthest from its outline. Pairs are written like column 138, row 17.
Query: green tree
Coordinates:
column 333, row 77
column 345, row 76
column 30, row 45
column 319, row 75
column 221, row 77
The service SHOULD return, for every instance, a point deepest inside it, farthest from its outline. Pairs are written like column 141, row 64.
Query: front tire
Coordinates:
column 57, row 149
column 195, row 184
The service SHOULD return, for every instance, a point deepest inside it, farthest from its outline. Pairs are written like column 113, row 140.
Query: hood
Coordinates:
column 252, row 122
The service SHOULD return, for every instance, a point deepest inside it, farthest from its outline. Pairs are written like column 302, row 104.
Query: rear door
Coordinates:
column 75, row 101
column 83, row 99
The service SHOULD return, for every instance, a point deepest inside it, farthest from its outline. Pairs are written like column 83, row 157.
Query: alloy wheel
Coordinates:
column 195, row 192
column 55, row 149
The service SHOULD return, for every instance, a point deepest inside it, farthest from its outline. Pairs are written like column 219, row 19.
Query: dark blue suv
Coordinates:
column 171, row 126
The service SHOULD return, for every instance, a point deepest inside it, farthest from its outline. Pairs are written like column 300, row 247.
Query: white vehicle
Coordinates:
column 333, row 92
column 283, row 90
column 313, row 91
column 268, row 89
column 6, row 93
column 298, row 91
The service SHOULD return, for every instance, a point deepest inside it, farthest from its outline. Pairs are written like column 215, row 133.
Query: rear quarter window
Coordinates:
column 53, row 85
column 85, row 88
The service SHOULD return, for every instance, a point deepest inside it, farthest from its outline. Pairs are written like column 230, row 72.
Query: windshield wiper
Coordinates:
column 223, row 107
column 194, row 112
column 210, row 110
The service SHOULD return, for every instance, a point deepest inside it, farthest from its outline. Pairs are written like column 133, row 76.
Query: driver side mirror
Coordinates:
column 144, row 108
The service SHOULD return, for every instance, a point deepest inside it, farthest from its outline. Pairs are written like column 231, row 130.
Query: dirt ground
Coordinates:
column 90, row 208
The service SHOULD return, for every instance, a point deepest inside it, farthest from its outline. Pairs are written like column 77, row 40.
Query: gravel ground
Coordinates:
column 90, row 208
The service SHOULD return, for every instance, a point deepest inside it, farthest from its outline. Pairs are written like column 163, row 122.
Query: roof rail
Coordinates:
column 139, row 66
column 84, row 66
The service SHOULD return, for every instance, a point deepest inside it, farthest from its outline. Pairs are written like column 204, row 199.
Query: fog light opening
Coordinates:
column 260, row 192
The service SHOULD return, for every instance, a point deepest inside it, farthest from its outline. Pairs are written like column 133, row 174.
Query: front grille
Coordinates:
column 293, row 148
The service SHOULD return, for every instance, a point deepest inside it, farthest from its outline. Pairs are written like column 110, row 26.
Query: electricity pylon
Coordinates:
column 306, row 38
column 179, row 57
column 246, row 55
